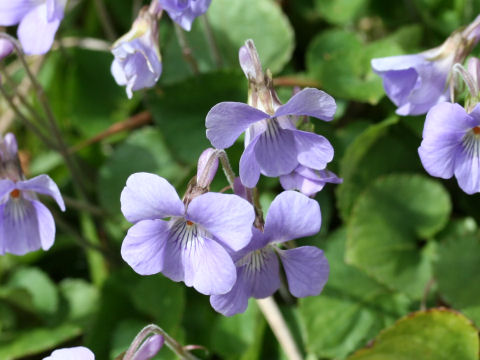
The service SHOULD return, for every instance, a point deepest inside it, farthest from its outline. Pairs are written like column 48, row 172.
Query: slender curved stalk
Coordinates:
column 186, row 50
column 172, row 344
column 277, row 323
column 212, row 44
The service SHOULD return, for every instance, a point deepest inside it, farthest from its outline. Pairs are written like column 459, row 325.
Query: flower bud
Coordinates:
column 207, row 167
column 6, row 48
column 9, row 162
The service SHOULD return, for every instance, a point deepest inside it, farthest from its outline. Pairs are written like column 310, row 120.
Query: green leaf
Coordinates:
column 388, row 224
column 235, row 337
column 339, row 12
column 351, row 309
column 42, row 289
column 33, row 341
column 82, row 90
column 143, row 151
column 161, row 299
column 459, row 260
column 437, row 334
column 371, row 155
column 260, row 20
column 340, row 61
column 180, row 110
column 82, row 298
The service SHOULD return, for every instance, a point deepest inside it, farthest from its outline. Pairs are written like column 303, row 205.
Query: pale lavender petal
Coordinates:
column 13, row 11
column 6, row 186
column 25, row 225
column 249, row 168
column 399, row 75
column 275, row 151
column 118, row 73
column 310, row 102
column 75, row 353
column 306, row 186
column 173, row 263
column 226, row 121
column 55, row 9
column 414, row 82
column 149, row 348
column 236, row 300
column 35, row 32
column 185, row 11
column 144, row 246
column 467, row 170
column 313, row 150
column 307, row 270
column 43, row 184
column 6, row 48
column 228, row 217
column 445, row 127
column 208, row 266
column 292, row 215
column 149, row 196
column 263, row 272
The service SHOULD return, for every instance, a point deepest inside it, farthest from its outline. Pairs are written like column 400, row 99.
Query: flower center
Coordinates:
column 15, row 194
column 471, row 142
column 253, row 260
column 189, row 223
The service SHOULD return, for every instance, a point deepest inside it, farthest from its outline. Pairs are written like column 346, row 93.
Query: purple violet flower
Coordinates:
column 291, row 216
column 193, row 244
column 74, row 353
column 137, row 62
column 308, row 181
column 38, row 21
column 273, row 144
column 183, row 12
column 25, row 223
column 451, row 145
column 416, row 82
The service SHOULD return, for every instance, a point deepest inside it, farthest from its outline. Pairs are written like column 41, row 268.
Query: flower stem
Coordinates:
column 31, row 126
column 227, row 168
column 212, row 44
column 61, row 146
column 277, row 323
column 105, row 20
column 186, row 50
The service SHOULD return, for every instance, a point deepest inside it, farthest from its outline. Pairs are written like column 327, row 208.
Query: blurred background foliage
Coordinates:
column 404, row 248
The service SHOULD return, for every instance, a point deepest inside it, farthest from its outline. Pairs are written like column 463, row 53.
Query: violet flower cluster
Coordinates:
column 25, row 223
column 218, row 243
column 38, row 22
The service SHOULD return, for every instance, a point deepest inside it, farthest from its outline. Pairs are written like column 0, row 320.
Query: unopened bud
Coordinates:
column 207, row 167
